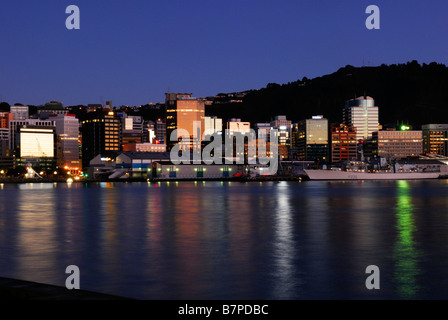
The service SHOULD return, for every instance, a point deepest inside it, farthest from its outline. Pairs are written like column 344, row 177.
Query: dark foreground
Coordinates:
column 12, row 289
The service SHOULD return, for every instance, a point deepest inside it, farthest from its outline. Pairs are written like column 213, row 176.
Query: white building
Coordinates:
column 362, row 114
column 19, row 112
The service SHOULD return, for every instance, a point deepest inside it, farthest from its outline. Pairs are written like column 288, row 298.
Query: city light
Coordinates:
column 404, row 128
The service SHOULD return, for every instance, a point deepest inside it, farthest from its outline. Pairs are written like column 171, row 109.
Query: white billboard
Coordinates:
column 36, row 143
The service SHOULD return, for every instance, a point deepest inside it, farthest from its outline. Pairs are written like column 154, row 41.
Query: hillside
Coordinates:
column 411, row 93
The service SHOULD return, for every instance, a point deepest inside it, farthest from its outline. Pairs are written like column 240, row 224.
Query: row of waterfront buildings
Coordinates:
column 55, row 138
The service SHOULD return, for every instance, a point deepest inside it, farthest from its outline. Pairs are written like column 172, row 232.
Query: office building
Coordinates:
column 20, row 112
column 5, row 117
column 67, row 131
column 160, row 131
column 284, row 128
column 435, row 139
column 211, row 125
column 343, row 143
column 182, row 111
column 144, row 147
column 263, row 131
column 362, row 114
column 399, row 144
column 101, row 132
column 312, row 139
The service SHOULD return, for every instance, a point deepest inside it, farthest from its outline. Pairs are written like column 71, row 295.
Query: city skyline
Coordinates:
column 134, row 54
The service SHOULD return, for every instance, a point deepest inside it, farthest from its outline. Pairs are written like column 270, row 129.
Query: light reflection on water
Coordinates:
column 219, row 240
column 406, row 254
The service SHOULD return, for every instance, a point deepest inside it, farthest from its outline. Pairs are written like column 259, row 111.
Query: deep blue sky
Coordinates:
column 134, row 51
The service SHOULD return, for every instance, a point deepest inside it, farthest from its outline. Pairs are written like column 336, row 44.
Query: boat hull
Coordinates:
column 346, row 175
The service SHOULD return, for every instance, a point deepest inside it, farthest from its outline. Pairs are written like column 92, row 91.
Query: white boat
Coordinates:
column 360, row 175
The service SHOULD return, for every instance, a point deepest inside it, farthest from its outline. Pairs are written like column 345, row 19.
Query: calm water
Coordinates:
column 220, row 240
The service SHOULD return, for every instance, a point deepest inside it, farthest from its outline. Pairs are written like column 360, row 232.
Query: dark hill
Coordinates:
column 412, row 93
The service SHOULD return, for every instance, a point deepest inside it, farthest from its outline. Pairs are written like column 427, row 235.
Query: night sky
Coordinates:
column 133, row 51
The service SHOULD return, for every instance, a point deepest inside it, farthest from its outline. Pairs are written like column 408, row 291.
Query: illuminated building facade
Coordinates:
column 101, row 132
column 343, row 143
column 435, row 139
column 37, row 146
column 182, row 111
column 5, row 117
column 362, row 114
column 67, row 130
column 312, row 139
column 398, row 144
column 211, row 125
column 144, row 147
column 15, row 125
column 284, row 128
column 160, row 131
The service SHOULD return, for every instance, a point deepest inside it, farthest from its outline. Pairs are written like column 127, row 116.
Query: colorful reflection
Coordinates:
column 405, row 253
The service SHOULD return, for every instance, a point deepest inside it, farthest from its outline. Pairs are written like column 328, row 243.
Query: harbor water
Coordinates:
column 285, row 240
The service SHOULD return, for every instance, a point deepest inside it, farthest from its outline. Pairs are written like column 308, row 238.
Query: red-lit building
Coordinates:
column 5, row 117
column 343, row 142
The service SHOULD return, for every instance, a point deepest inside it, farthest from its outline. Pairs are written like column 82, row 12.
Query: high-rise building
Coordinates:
column 132, row 128
column 263, row 131
column 101, row 132
column 182, row 111
column 67, row 131
column 343, row 143
column 4, row 145
column 398, row 144
column 160, row 131
column 284, row 128
column 362, row 114
column 435, row 139
column 312, row 139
